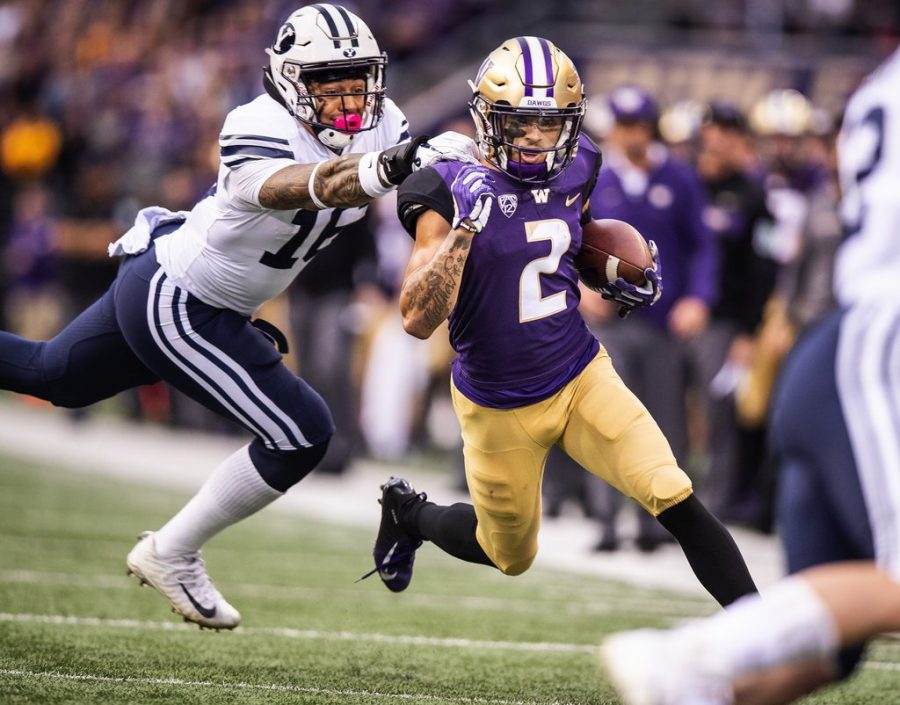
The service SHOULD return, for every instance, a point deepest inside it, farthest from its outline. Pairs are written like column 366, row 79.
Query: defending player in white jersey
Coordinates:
column 836, row 434
column 297, row 164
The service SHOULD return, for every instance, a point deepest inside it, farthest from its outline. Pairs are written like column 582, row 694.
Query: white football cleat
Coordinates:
column 184, row 582
column 653, row 667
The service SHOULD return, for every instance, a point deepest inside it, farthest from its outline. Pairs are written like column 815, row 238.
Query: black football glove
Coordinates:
column 396, row 163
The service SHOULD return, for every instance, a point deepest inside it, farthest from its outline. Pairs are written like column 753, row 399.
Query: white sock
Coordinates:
column 233, row 492
column 787, row 623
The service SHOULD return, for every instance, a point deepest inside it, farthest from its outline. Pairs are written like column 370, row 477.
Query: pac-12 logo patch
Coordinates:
column 508, row 203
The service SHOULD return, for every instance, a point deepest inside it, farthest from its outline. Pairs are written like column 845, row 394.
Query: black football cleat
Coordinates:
column 395, row 549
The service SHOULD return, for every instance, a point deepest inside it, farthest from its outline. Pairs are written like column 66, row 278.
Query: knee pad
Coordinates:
column 516, row 568
column 668, row 486
column 283, row 469
column 511, row 553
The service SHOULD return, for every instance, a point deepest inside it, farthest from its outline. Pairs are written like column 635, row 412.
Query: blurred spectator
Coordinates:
column 739, row 219
column 30, row 264
column 30, row 145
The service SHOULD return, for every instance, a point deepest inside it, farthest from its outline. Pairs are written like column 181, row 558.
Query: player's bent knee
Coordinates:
column 668, row 486
column 513, row 558
column 516, row 567
column 283, row 469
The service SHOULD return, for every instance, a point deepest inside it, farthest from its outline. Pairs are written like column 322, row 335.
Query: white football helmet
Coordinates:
column 325, row 42
column 527, row 78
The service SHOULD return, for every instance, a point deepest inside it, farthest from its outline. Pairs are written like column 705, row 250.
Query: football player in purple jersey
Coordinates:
column 494, row 249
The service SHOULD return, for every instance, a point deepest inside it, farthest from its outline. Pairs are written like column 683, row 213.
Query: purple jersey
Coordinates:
column 516, row 328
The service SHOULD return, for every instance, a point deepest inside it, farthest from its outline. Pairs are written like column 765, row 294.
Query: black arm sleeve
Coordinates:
column 422, row 191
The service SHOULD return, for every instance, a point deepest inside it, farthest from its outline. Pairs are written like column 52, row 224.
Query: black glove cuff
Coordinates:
column 396, row 163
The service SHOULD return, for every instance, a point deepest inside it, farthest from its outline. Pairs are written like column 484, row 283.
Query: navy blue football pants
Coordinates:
column 822, row 515
column 145, row 329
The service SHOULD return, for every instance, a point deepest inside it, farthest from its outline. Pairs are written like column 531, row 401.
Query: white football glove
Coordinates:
column 447, row 146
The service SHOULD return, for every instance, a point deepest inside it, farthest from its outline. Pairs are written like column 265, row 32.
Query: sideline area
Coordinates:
column 157, row 456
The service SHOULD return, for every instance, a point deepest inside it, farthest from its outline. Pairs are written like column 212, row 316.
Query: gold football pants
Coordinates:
column 597, row 421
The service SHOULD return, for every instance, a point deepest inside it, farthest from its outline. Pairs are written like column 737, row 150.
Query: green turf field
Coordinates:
column 74, row 629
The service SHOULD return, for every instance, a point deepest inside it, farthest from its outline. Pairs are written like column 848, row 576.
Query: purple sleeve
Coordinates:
column 703, row 258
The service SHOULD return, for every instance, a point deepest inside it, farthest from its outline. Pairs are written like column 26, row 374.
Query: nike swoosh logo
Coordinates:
column 386, row 561
column 571, row 199
column 208, row 612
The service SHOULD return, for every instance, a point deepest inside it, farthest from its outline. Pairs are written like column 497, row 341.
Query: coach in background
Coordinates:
column 642, row 184
column 740, row 221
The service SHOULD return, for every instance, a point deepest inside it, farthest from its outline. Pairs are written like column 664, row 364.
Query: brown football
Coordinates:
column 611, row 249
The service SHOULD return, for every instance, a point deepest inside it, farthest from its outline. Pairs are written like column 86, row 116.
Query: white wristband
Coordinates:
column 368, row 176
column 311, row 187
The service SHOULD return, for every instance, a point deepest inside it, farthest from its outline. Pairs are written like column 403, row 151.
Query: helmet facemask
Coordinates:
column 310, row 103
column 499, row 125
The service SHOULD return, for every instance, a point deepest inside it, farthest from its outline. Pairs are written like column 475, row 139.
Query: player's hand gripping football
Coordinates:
column 447, row 146
column 473, row 196
column 629, row 295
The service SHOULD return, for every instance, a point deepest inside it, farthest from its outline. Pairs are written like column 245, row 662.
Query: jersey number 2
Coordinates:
column 532, row 304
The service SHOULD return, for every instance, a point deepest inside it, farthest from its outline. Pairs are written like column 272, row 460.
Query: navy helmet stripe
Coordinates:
column 350, row 31
column 233, row 149
column 548, row 65
column 526, row 55
column 332, row 25
column 197, row 375
column 180, row 315
column 258, row 138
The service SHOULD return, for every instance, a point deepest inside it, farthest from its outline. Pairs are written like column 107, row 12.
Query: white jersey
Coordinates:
column 867, row 282
column 233, row 253
column 869, row 164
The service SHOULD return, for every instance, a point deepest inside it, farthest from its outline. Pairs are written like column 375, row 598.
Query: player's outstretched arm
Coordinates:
column 334, row 184
column 355, row 179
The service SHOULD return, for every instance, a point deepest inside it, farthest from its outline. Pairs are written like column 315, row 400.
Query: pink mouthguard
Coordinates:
column 348, row 123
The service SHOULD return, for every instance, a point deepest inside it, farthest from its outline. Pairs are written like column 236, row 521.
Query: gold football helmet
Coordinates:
column 528, row 82
column 782, row 112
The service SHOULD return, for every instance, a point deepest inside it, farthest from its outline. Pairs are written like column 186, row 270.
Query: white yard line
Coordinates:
column 307, row 634
column 355, row 637
column 279, row 687
column 673, row 609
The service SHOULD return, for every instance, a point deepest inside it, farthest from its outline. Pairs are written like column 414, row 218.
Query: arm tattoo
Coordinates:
column 434, row 288
column 337, row 185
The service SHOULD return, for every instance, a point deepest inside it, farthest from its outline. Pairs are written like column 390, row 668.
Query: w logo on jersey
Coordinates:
column 508, row 203
column 541, row 195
